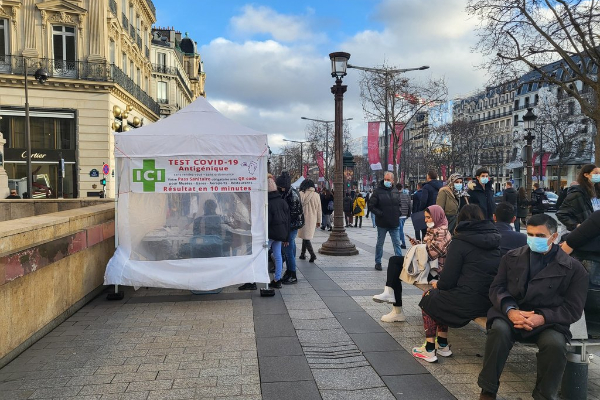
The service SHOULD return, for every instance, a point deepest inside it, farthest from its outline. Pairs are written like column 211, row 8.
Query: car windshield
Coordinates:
column 552, row 196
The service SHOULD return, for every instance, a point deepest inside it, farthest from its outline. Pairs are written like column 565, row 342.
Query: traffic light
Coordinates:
column 348, row 184
column 103, row 181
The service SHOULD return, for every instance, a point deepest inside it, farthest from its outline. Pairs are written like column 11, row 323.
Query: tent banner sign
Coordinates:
column 195, row 174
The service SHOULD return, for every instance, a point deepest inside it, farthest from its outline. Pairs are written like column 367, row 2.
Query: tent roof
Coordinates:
column 198, row 129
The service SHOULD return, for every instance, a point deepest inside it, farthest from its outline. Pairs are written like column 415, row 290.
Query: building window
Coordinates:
column 4, row 50
column 516, row 123
column 124, row 63
column 162, row 92
column 161, row 59
column 111, row 51
column 571, row 108
column 131, row 69
column 139, row 77
column 63, row 46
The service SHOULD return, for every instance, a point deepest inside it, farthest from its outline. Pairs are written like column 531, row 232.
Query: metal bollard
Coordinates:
column 575, row 377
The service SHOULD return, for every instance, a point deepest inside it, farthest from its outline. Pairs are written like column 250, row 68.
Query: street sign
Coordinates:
column 105, row 169
column 94, row 173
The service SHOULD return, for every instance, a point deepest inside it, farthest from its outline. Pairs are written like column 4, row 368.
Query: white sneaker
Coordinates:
column 443, row 351
column 395, row 316
column 386, row 297
column 422, row 354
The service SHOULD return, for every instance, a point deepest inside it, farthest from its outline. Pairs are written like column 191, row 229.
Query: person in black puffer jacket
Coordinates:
column 579, row 203
column 385, row 204
column 292, row 198
column 326, row 200
column 430, row 191
column 462, row 292
column 279, row 228
column 348, row 201
column 482, row 193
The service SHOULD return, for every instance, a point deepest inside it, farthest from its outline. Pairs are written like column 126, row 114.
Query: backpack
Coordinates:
column 330, row 205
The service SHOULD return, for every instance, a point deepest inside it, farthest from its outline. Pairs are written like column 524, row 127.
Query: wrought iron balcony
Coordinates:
column 132, row 31
column 112, row 4
column 139, row 41
column 163, row 69
column 83, row 70
column 125, row 21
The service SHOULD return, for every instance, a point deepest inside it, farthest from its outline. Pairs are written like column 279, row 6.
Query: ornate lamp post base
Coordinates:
column 338, row 244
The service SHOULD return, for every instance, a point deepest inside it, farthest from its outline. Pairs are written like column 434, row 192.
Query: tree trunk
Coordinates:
column 597, row 140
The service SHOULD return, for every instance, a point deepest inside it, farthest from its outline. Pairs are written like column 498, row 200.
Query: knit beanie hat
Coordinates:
column 284, row 180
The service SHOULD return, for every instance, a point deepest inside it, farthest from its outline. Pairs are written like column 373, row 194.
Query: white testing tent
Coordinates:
column 191, row 211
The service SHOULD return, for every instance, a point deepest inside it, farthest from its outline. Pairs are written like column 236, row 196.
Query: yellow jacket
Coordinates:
column 362, row 204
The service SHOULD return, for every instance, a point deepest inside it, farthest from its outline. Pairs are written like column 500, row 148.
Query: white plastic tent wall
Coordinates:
column 196, row 153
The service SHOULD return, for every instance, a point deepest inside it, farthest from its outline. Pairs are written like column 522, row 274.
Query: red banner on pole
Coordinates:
column 321, row 165
column 545, row 159
column 373, row 145
column 443, row 173
column 305, row 170
column 399, row 135
column 364, row 180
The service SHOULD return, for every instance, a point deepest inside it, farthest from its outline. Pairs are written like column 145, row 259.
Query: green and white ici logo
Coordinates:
column 149, row 175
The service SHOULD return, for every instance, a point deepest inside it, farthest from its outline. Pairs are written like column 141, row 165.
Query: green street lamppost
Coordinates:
column 326, row 141
column 338, row 243
column 529, row 125
column 41, row 75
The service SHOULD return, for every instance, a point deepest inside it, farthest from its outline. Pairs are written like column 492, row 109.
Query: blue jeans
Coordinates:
column 276, row 248
column 290, row 251
column 394, row 234
column 373, row 219
column 401, row 227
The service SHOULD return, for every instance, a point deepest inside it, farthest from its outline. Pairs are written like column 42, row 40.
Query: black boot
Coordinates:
column 303, row 251
column 309, row 247
column 286, row 274
column 291, row 279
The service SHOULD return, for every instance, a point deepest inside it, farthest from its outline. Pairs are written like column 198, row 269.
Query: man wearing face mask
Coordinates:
column 482, row 193
column 385, row 205
column 538, row 293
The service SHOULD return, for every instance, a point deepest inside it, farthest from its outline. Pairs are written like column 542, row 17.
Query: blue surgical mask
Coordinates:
column 595, row 178
column 484, row 181
column 538, row 244
column 387, row 184
column 458, row 186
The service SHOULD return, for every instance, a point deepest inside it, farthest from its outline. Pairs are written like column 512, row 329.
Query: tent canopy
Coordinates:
column 196, row 129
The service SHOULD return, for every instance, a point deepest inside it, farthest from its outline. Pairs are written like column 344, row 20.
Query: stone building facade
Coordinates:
column 97, row 56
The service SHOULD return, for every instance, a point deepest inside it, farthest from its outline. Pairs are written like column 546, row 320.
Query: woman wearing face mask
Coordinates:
column 582, row 200
column 452, row 198
column 437, row 240
column 461, row 293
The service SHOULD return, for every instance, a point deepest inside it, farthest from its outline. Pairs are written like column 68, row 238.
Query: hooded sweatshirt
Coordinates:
column 430, row 193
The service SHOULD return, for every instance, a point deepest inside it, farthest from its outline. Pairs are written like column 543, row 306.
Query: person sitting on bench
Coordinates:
column 538, row 293
column 461, row 293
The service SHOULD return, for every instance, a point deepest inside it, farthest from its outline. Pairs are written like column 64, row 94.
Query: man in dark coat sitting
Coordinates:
column 503, row 217
column 538, row 293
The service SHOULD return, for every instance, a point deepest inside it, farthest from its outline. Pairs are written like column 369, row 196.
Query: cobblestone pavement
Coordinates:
column 318, row 339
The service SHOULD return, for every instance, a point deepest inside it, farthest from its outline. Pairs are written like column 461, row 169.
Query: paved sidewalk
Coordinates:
column 318, row 339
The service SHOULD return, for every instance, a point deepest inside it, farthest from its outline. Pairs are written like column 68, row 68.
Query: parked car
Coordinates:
column 550, row 204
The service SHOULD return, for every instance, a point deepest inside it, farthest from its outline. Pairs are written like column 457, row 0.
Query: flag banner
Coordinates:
column 320, row 164
column 373, row 145
column 305, row 170
column 399, row 133
column 545, row 158
column 364, row 180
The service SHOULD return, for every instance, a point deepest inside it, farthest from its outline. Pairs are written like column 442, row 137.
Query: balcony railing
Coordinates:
column 112, row 4
column 162, row 101
column 163, row 69
column 125, row 21
column 132, row 31
column 184, row 84
column 83, row 70
column 139, row 41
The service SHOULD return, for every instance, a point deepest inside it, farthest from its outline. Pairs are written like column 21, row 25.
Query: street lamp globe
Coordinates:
column 529, row 119
column 339, row 64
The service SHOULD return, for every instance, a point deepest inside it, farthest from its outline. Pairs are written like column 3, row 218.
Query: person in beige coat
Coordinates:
column 311, row 205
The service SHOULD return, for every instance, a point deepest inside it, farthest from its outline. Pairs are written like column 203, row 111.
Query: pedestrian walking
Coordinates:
column 311, row 205
column 510, row 196
column 405, row 211
column 278, row 228
column 582, row 200
column 385, row 204
column 482, row 193
column 348, row 210
column 452, row 198
column 367, row 198
column 359, row 205
column 326, row 209
column 522, row 208
column 537, row 199
column 292, row 198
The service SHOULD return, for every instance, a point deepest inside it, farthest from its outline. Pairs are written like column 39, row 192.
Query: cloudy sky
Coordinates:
column 267, row 62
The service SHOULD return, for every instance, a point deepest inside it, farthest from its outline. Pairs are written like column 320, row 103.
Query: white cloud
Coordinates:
column 268, row 85
column 264, row 20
